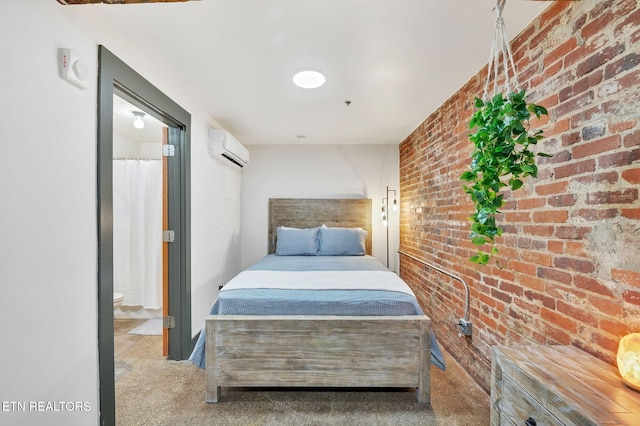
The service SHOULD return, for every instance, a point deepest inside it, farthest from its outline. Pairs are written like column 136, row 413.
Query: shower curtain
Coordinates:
column 137, row 232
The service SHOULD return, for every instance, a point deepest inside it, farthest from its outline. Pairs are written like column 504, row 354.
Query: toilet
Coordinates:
column 118, row 298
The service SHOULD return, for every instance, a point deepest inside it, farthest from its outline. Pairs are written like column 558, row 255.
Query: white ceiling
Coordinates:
column 395, row 60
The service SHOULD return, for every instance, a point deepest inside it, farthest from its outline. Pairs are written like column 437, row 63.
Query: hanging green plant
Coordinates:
column 501, row 158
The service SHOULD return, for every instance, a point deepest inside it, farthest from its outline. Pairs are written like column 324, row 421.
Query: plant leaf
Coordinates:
column 468, row 176
column 479, row 240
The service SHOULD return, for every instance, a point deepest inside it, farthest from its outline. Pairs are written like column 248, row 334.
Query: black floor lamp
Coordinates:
column 385, row 214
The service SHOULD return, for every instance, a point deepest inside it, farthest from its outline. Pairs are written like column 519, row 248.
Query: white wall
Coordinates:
column 317, row 171
column 48, row 270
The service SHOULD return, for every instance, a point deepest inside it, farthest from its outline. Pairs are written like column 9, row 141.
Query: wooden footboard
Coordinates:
column 323, row 351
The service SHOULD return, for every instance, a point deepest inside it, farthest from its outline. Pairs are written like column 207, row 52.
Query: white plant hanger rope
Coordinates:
column 500, row 45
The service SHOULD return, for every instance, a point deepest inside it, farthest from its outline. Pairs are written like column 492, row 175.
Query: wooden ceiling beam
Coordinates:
column 71, row 2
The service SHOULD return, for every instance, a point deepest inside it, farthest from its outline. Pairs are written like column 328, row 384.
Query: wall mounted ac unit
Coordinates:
column 224, row 146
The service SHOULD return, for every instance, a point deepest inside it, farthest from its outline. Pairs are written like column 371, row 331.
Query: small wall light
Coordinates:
column 629, row 360
column 138, row 119
column 385, row 214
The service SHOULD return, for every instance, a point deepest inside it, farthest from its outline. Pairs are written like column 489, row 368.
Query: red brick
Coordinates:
column 537, row 258
column 552, row 188
column 578, row 54
column 586, row 116
column 631, row 213
column 632, row 20
column 623, row 196
column 572, row 232
column 629, row 81
column 555, row 246
column 562, row 200
column 560, row 51
column 614, row 328
column 555, row 275
column 517, row 217
column 523, row 268
column 532, row 282
column 594, row 214
column 631, row 297
column 599, row 59
column 565, row 291
column 555, row 128
column 628, row 62
column 626, row 276
column 608, row 177
column 609, row 307
column 578, row 313
column 596, row 147
column 573, row 169
column 551, row 216
column 603, row 19
column 591, row 284
column 543, row 299
column 574, row 104
column 632, row 175
column 579, row 265
column 575, row 248
column 621, row 126
column 571, row 138
column 501, row 295
column 531, row 203
column 621, row 158
column 606, row 342
column 511, row 288
column 632, row 139
column 559, row 320
column 538, row 230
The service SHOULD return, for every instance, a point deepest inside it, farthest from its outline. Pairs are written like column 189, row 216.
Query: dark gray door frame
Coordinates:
column 115, row 77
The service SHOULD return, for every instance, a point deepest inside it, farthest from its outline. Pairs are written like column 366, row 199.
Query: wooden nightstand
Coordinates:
column 558, row 385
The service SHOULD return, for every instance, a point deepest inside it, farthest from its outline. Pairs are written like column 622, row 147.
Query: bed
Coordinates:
column 317, row 311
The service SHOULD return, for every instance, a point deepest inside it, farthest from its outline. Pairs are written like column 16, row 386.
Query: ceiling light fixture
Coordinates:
column 138, row 120
column 309, row 79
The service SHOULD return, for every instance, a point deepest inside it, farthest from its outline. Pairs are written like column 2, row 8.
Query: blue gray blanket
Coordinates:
column 315, row 302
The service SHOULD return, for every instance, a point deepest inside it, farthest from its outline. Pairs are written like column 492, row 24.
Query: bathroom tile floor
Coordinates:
column 151, row 390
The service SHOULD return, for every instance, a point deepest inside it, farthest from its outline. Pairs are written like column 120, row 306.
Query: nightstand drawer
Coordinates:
column 520, row 406
column 558, row 385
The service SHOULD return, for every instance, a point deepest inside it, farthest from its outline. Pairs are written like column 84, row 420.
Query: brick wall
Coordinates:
column 571, row 245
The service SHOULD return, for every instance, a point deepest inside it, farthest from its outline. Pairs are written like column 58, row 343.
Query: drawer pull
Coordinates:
column 530, row 422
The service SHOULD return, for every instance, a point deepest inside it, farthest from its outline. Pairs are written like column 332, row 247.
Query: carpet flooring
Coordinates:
column 151, row 390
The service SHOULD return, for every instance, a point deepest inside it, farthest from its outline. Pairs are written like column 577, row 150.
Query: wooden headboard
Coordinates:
column 309, row 213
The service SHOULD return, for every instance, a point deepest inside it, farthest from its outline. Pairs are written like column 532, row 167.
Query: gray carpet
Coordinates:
column 153, row 391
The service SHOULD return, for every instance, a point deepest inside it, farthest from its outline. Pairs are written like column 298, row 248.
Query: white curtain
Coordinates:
column 137, row 232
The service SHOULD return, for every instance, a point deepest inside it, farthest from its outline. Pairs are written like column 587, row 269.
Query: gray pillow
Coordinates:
column 342, row 241
column 296, row 242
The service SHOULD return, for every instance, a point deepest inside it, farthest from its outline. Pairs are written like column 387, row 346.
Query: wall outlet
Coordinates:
column 465, row 327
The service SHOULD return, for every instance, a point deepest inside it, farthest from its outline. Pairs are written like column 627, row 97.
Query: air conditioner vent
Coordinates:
column 222, row 145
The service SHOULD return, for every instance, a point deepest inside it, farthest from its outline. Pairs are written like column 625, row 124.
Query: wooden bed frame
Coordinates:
column 318, row 351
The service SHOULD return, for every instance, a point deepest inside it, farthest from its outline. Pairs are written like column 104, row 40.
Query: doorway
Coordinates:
column 139, row 218
column 115, row 77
